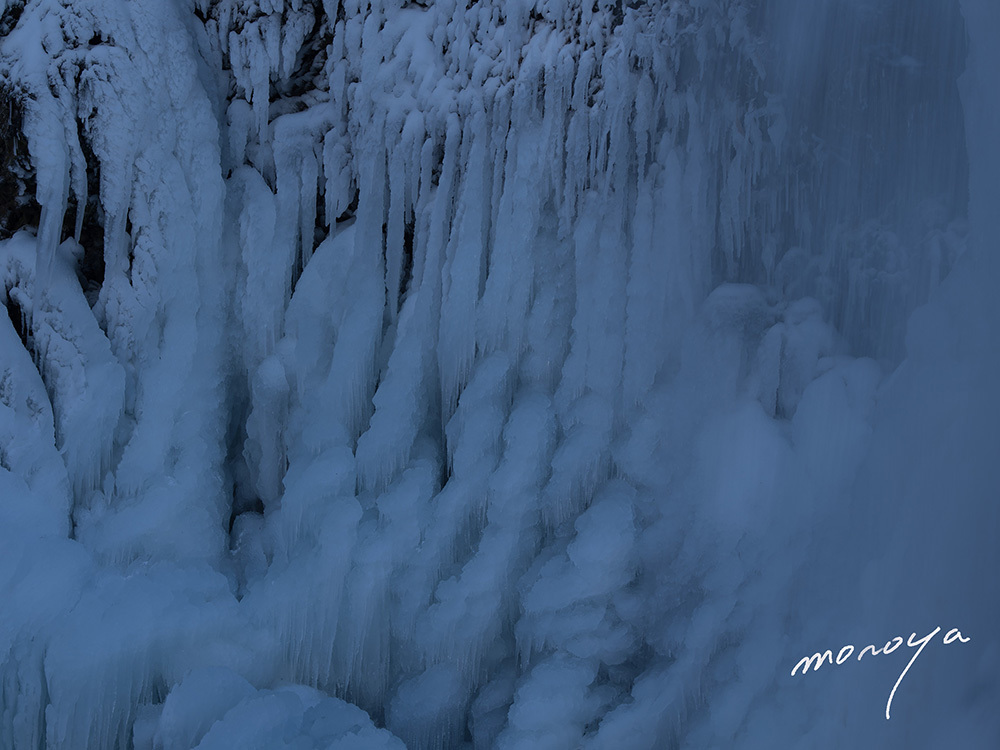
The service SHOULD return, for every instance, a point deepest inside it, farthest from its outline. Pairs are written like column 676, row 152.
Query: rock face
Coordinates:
column 499, row 368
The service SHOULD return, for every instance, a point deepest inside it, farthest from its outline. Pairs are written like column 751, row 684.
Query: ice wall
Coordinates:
column 513, row 371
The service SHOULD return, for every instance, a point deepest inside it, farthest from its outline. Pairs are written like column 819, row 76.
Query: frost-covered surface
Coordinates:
column 504, row 374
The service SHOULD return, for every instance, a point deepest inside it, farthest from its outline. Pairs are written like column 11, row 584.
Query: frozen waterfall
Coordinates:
column 521, row 375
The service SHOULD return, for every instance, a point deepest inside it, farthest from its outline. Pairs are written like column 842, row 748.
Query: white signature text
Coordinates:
column 847, row 651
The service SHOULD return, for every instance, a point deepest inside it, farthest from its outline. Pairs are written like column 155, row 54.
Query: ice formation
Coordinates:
column 524, row 374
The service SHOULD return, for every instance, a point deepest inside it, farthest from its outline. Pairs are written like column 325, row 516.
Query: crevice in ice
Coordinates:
column 18, row 207
column 351, row 209
column 12, row 10
column 310, row 58
column 18, row 319
column 399, row 264
column 86, row 224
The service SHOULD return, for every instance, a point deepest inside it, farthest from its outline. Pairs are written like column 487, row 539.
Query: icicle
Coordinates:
column 462, row 271
column 337, row 171
column 395, row 232
column 307, row 206
column 51, row 157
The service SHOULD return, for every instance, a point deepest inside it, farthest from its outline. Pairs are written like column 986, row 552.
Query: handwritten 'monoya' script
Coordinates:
column 817, row 659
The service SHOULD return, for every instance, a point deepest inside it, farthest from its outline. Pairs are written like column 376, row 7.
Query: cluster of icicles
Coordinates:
column 401, row 293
